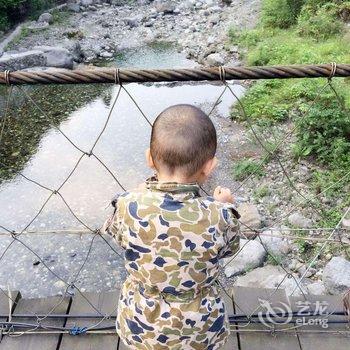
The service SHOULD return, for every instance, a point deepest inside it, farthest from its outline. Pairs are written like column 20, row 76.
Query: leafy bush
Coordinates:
column 246, row 167
column 322, row 123
column 316, row 4
column 281, row 13
column 295, row 7
column 276, row 100
column 12, row 11
column 320, row 24
column 276, row 14
column 261, row 192
column 325, row 132
column 344, row 11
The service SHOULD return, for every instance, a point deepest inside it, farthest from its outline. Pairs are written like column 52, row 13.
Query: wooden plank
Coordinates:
column 232, row 342
column 35, row 341
column 106, row 303
column 4, row 303
column 247, row 301
column 320, row 340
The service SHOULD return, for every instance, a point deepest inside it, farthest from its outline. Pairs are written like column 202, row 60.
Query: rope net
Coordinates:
column 325, row 237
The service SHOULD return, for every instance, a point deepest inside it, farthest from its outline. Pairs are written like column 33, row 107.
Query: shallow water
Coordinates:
column 32, row 145
column 121, row 147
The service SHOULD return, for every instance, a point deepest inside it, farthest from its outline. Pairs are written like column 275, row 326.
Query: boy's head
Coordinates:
column 183, row 143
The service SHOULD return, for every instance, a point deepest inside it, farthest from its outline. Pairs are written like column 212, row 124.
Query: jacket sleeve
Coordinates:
column 112, row 226
column 231, row 233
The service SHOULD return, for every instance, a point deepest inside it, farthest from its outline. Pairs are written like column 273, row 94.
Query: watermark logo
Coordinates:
column 308, row 313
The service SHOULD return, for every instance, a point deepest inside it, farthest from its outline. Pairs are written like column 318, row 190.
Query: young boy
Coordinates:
column 173, row 240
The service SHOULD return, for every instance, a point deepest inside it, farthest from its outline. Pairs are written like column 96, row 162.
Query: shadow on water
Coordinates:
column 26, row 125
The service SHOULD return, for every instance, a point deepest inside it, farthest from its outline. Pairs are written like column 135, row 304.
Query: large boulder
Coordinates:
column 346, row 221
column 37, row 26
column 215, row 59
column 133, row 22
column 250, row 216
column 21, row 60
column 274, row 243
column 336, row 275
column 40, row 56
column 251, row 256
column 73, row 6
column 299, row 221
column 164, row 6
column 46, row 18
column 86, row 2
column 270, row 276
column 316, row 288
column 59, row 58
column 75, row 50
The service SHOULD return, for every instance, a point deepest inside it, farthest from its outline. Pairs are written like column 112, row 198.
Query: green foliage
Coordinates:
column 321, row 119
column 323, row 129
column 333, row 184
column 321, row 23
column 274, row 46
column 246, row 167
column 303, row 245
column 316, row 4
column 59, row 17
column 324, row 132
column 344, row 11
column 261, row 192
column 316, row 18
column 281, row 13
column 277, row 100
column 276, row 260
column 12, row 11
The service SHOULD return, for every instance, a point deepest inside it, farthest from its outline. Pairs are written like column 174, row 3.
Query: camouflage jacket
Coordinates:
column 173, row 240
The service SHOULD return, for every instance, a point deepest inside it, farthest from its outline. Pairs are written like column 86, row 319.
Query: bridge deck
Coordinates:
column 244, row 337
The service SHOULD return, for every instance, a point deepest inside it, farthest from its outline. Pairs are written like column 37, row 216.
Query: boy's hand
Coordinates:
column 223, row 194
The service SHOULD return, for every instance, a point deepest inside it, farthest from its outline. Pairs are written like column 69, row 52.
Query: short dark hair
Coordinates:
column 183, row 136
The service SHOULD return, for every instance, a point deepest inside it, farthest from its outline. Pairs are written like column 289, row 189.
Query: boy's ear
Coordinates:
column 149, row 158
column 209, row 166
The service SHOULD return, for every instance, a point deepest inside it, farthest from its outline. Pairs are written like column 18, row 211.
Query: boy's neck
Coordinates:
column 176, row 178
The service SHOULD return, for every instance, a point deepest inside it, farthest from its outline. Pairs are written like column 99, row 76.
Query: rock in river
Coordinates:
column 215, row 59
column 39, row 56
column 336, row 275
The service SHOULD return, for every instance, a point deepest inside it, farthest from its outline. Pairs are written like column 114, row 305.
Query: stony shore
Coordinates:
column 90, row 30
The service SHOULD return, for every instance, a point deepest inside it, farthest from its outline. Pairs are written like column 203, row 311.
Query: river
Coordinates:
column 41, row 153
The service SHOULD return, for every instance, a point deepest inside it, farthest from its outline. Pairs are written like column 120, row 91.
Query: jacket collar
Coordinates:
column 172, row 187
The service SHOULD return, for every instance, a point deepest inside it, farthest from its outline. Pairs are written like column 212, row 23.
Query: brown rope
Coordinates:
column 113, row 75
column 333, row 70
column 7, row 77
column 117, row 77
column 222, row 73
